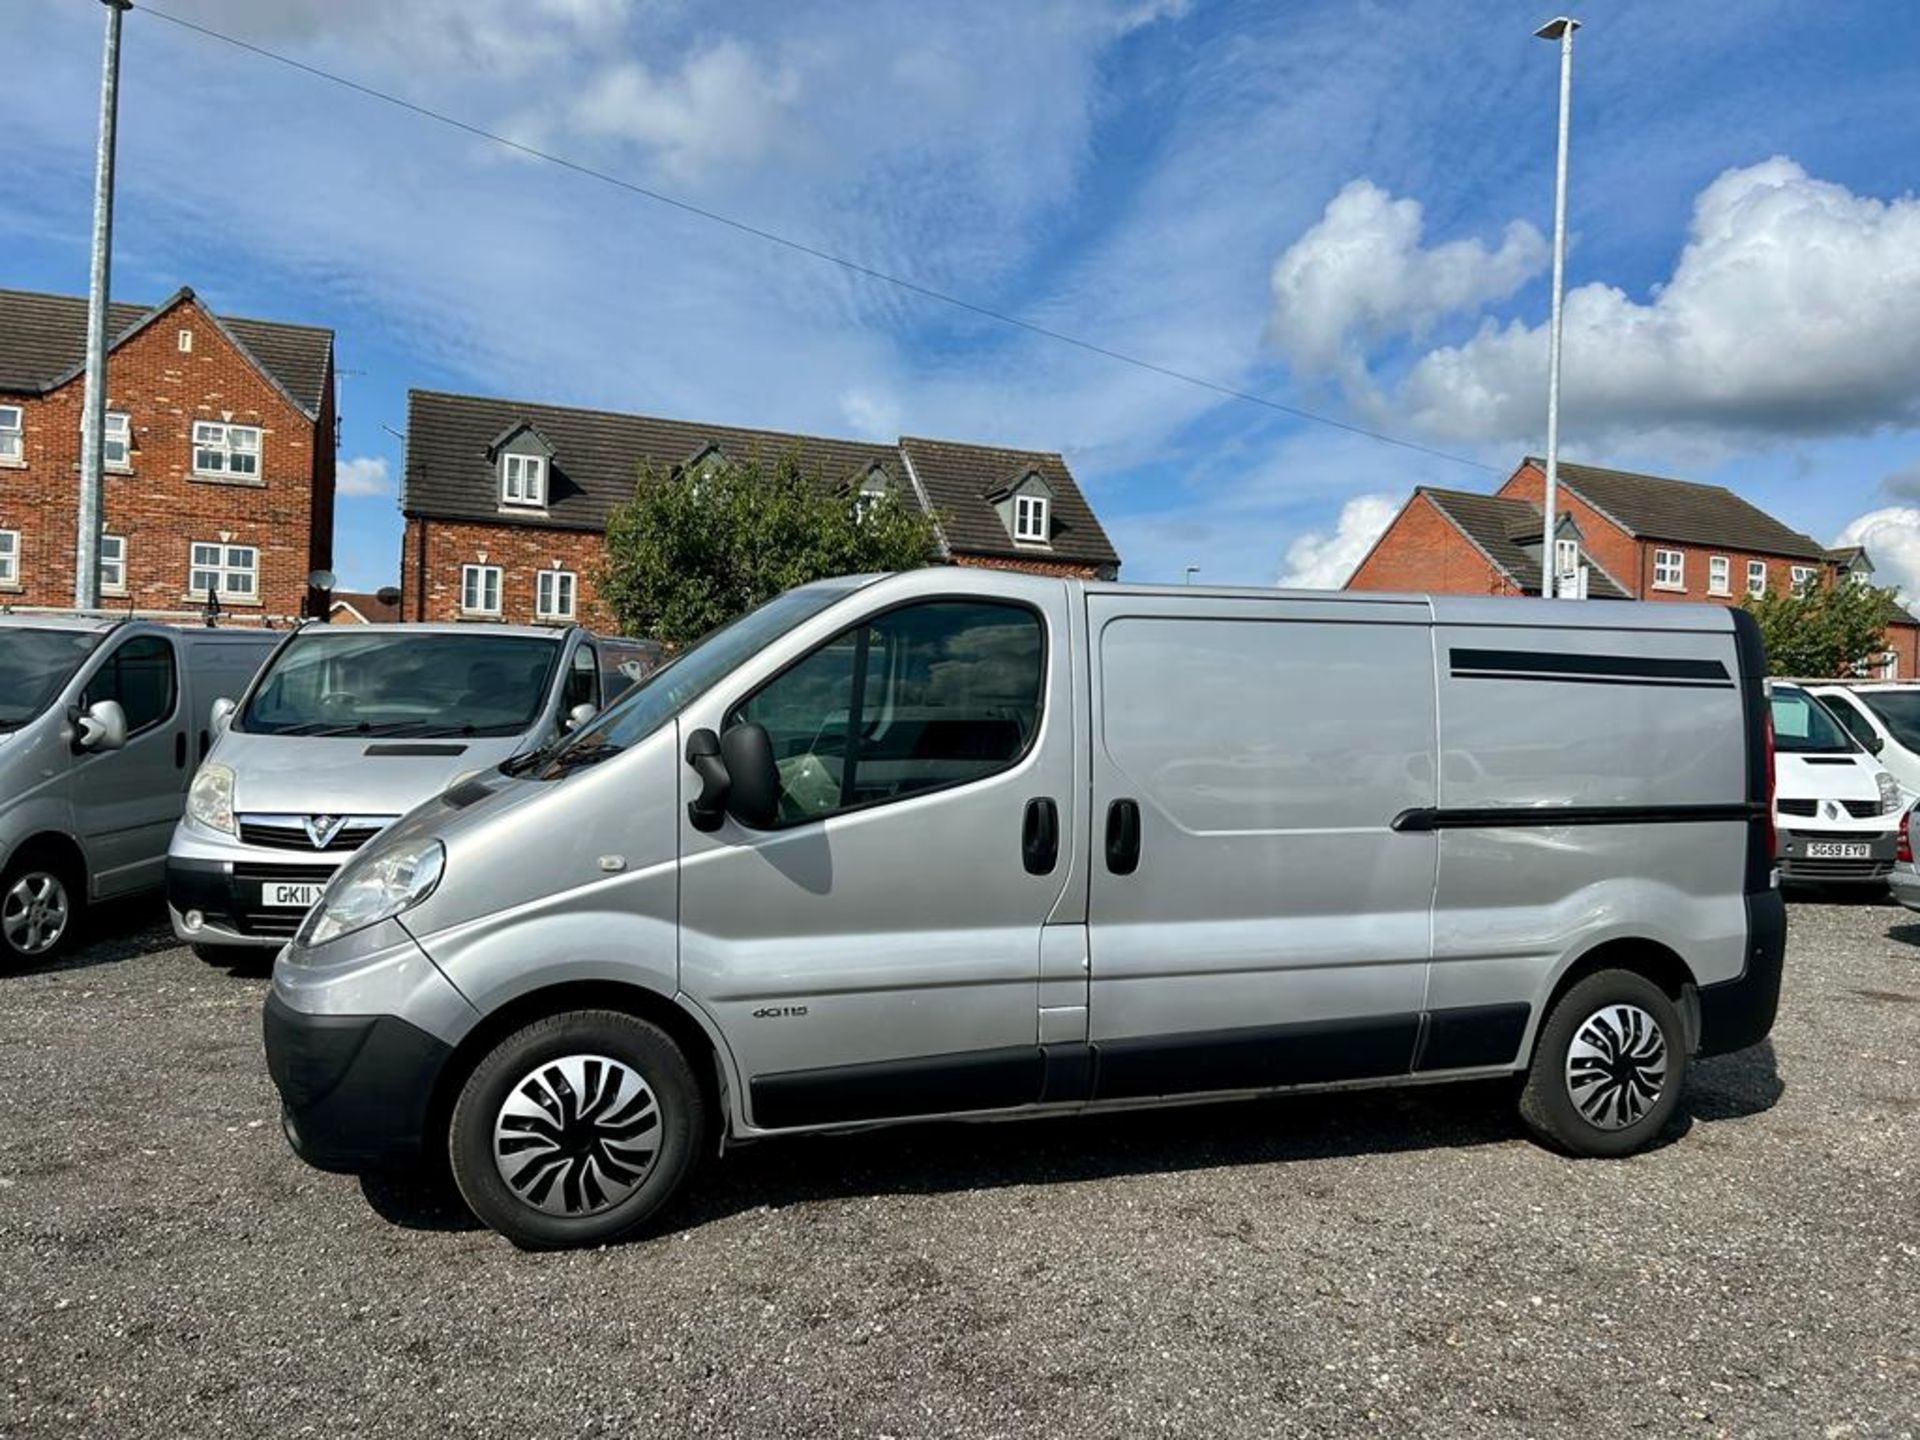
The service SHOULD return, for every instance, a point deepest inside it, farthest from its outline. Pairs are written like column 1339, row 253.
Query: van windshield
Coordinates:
column 34, row 665
column 334, row 681
column 1899, row 711
column 1802, row 726
column 685, row 678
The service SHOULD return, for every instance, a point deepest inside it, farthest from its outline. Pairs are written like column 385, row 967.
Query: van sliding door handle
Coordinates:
column 180, row 750
column 1123, row 837
column 1040, row 836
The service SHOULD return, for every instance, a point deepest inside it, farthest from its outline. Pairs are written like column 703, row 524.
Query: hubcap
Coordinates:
column 34, row 913
column 577, row 1135
column 1616, row 1066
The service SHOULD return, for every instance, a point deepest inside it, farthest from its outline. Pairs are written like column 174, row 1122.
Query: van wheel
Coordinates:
column 40, row 906
column 576, row 1129
column 1609, row 1066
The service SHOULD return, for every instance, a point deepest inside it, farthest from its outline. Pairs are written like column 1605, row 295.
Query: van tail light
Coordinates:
column 1773, row 838
column 1903, row 851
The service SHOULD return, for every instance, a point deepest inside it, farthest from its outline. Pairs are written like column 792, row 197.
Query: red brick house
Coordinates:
column 219, row 464
column 506, row 502
column 1622, row 535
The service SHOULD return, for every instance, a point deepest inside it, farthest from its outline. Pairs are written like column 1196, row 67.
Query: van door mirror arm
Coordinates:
column 707, row 809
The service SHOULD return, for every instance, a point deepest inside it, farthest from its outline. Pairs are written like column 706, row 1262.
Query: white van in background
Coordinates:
column 1836, row 810
column 1884, row 716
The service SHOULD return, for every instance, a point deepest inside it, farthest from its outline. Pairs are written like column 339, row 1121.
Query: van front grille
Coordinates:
column 1787, row 807
column 289, row 832
column 276, row 923
column 1858, row 809
column 1805, row 869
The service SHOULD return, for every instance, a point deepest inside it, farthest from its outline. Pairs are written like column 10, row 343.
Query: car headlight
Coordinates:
column 375, row 888
column 1889, row 793
column 210, row 798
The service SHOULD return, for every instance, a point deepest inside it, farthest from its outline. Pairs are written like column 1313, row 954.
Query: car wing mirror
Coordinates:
column 220, row 716
column 707, row 809
column 101, row 727
column 578, row 716
column 754, row 795
column 1877, row 743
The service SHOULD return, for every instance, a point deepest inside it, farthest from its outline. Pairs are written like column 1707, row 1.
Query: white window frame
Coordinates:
column 1756, row 577
column 546, row 583
column 113, row 552
column 873, row 490
column 1669, row 569
column 467, row 587
column 226, row 565
column 10, row 558
column 13, row 435
column 221, row 445
column 1801, row 578
column 1030, row 519
column 124, row 440
column 1566, row 557
column 528, row 488
column 1719, row 575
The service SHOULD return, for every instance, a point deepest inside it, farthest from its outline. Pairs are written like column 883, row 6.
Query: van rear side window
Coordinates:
column 918, row 699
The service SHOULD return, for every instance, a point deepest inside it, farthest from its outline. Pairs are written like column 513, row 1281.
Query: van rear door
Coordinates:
column 1255, row 919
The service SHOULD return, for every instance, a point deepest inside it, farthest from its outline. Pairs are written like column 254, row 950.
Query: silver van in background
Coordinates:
column 101, row 723
column 963, row 844
column 346, row 729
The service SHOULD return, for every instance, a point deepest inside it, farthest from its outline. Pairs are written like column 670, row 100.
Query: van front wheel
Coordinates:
column 39, row 909
column 1609, row 1066
column 576, row 1129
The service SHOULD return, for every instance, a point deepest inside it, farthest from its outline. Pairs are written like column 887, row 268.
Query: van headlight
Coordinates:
column 210, row 798
column 1889, row 793
column 373, row 889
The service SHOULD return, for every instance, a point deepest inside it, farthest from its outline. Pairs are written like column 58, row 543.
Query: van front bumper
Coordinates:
column 227, row 895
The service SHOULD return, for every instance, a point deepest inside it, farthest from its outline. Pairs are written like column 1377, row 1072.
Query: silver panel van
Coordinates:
column 346, row 729
column 101, row 723
column 955, row 843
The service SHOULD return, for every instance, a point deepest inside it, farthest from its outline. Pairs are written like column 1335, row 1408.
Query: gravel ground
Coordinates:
column 1393, row 1263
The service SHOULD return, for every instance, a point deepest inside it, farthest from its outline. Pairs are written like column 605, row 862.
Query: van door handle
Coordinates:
column 180, row 750
column 1123, row 836
column 1040, row 836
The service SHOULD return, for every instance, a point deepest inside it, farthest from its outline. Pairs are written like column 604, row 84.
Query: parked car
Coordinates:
column 101, row 721
column 1904, row 882
column 960, row 843
column 1884, row 716
column 1836, row 809
column 345, row 730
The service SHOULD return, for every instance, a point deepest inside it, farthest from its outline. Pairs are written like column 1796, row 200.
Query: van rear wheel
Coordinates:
column 1608, row 1068
column 576, row 1129
column 40, row 904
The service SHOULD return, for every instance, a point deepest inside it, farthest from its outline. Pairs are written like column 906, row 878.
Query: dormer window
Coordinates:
column 523, row 480
column 1030, row 519
column 874, row 488
column 1566, row 557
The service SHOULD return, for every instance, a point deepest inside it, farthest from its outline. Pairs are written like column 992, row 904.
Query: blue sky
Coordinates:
column 1341, row 207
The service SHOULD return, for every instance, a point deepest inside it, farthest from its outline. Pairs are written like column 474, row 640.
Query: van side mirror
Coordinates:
column 754, row 799
column 1876, row 743
column 220, row 716
column 707, row 809
column 102, row 727
column 578, row 716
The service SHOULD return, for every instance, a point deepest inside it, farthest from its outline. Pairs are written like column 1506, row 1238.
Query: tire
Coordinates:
column 565, row 1178
column 1625, row 1034
column 42, row 902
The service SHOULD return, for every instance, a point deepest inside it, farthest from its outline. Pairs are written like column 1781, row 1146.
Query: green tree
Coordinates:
column 687, row 553
column 1825, row 630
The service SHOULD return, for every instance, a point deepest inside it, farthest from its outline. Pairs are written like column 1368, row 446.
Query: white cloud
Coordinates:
column 1892, row 538
column 362, row 475
column 722, row 106
column 1360, row 275
column 1324, row 560
column 1794, row 309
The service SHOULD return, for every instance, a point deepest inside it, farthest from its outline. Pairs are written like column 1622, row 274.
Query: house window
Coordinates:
column 1566, row 557
column 1669, row 570
column 1030, row 518
column 231, row 572
column 186, row 342
column 1802, row 578
column 9, row 557
column 873, row 490
column 13, row 439
column 1719, row 575
column 480, row 589
column 523, row 480
column 113, row 565
column 1756, row 577
column 117, row 443
column 224, row 450
column 553, row 595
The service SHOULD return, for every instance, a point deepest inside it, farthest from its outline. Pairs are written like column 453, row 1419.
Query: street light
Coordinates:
column 1192, row 570
column 1560, row 30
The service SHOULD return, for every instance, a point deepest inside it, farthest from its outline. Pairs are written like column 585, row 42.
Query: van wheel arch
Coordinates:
column 1657, row 962
column 52, row 848
column 523, row 1010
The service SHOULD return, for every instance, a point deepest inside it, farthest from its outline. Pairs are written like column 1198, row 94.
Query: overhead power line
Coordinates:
column 787, row 242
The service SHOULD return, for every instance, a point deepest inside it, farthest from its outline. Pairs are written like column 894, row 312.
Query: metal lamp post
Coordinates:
column 1560, row 30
